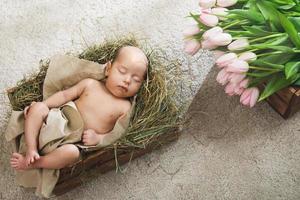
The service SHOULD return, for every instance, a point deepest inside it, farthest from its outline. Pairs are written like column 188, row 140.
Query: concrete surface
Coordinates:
column 226, row 151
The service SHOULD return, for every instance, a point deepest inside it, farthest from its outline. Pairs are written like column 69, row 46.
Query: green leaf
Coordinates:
column 253, row 81
column 297, row 82
column 261, row 74
column 284, row 49
column 257, row 31
column 276, row 83
column 279, row 58
column 269, row 13
column 291, row 68
column 263, row 63
column 290, row 29
column 251, row 15
column 296, row 22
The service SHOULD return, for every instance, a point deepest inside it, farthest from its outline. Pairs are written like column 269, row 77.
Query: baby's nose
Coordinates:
column 127, row 79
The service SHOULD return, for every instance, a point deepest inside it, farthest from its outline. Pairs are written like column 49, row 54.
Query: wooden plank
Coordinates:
column 277, row 104
column 67, row 186
column 104, row 161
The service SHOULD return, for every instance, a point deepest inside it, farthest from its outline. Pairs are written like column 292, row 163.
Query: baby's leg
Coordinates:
column 33, row 123
column 61, row 157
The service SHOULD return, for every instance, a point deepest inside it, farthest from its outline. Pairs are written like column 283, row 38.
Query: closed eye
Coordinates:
column 122, row 70
column 137, row 79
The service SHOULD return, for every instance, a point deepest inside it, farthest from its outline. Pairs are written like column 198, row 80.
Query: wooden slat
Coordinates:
column 277, row 104
column 105, row 161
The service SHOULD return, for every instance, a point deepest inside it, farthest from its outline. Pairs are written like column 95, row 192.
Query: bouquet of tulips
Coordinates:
column 255, row 42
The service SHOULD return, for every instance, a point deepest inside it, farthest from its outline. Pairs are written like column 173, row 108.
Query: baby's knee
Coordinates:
column 40, row 107
column 72, row 150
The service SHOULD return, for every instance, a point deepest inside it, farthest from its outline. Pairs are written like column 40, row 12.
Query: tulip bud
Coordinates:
column 239, row 90
column 229, row 89
column 205, row 10
column 224, row 60
column 244, row 83
column 208, row 19
column 250, row 96
column 223, row 77
column 237, row 66
column 218, row 53
column 236, row 78
column 221, row 39
column 190, row 31
column 226, row 3
column 212, row 32
column 206, row 44
column 207, row 3
column 238, row 44
column 220, row 12
column 191, row 46
column 248, row 56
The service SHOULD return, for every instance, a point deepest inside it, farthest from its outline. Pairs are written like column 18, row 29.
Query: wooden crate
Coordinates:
column 286, row 101
column 104, row 160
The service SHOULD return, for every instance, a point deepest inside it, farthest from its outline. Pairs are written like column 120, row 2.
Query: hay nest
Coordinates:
column 156, row 110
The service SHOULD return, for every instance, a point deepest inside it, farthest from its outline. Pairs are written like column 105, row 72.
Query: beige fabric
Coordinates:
column 63, row 125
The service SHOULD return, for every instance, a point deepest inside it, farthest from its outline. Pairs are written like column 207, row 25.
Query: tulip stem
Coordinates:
column 267, row 37
column 270, row 53
column 234, row 23
column 263, row 69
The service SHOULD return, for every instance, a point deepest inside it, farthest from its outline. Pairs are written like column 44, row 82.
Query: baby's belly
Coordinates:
column 94, row 119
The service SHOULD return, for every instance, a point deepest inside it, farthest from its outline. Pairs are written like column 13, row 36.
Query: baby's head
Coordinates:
column 126, row 73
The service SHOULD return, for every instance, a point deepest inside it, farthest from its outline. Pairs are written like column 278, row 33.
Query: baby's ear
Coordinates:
column 107, row 68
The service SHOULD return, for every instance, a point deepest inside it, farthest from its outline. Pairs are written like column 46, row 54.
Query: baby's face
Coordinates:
column 126, row 74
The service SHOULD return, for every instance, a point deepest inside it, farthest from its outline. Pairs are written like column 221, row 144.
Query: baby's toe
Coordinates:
column 37, row 156
column 16, row 155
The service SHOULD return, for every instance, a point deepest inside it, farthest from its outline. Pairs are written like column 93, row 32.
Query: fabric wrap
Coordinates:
column 63, row 125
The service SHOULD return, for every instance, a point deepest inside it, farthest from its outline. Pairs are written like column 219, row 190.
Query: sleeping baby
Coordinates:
column 124, row 77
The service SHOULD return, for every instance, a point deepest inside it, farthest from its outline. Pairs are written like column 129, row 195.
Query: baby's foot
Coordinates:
column 18, row 162
column 31, row 156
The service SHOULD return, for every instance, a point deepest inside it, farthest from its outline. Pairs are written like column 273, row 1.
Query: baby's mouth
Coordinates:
column 123, row 88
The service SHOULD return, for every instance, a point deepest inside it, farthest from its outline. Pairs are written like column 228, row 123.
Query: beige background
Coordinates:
column 226, row 151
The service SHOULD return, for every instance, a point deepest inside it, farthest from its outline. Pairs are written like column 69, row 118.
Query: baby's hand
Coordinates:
column 27, row 109
column 90, row 137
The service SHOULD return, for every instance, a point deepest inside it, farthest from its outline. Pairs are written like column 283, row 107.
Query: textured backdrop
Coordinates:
column 226, row 151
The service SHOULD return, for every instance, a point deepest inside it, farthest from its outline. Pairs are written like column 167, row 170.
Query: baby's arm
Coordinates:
column 91, row 137
column 64, row 96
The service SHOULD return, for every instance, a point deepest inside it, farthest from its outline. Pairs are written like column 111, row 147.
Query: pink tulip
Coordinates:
column 206, row 44
column 250, row 96
column 238, row 66
column 248, row 56
column 238, row 44
column 220, row 12
column 207, row 3
column 244, row 83
column 226, row 3
column 191, row 46
column 205, row 10
column 224, row 60
column 218, row 53
column 239, row 90
column 229, row 89
column 223, row 77
column 236, row 78
column 190, row 31
column 208, row 19
column 221, row 39
column 212, row 32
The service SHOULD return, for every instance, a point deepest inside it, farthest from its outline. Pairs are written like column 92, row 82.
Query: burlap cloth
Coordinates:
column 64, row 125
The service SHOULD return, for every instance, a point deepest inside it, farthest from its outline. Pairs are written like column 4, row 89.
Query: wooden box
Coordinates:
column 104, row 160
column 286, row 101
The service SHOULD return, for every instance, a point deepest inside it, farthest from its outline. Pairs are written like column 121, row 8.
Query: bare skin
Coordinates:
column 96, row 102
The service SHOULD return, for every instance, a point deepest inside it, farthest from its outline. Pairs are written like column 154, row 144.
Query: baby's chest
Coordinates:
column 101, row 106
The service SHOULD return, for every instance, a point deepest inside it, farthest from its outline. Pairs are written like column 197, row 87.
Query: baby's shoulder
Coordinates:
column 125, row 105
